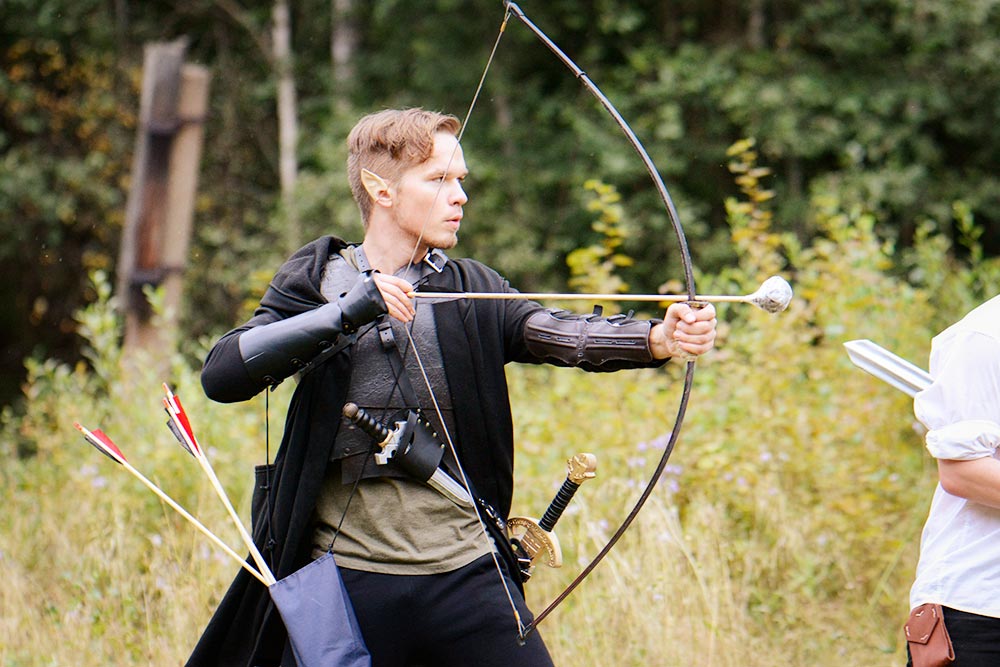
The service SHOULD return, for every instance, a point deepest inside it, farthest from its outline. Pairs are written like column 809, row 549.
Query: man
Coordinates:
column 422, row 572
column 959, row 566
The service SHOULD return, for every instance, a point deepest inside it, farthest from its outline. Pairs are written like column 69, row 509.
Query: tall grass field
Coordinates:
column 784, row 530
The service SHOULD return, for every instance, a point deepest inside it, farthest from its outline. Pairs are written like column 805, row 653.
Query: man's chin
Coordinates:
column 444, row 243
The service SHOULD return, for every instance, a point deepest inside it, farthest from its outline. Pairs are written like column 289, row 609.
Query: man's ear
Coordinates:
column 376, row 187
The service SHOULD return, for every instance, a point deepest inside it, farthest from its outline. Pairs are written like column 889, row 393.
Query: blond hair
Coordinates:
column 388, row 143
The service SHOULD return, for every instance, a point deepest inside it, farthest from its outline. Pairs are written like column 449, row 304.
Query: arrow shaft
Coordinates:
column 184, row 430
column 194, row 522
column 572, row 296
column 258, row 558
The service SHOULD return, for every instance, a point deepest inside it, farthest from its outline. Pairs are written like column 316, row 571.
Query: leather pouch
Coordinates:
column 927, row 637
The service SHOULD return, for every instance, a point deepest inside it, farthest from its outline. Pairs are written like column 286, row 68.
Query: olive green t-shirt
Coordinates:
column 393, row 525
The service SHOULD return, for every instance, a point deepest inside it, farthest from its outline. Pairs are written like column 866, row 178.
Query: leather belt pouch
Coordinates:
column 928, row 640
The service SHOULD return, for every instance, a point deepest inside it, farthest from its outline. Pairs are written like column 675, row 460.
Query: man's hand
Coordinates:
column 685, row 332
column 394, row 291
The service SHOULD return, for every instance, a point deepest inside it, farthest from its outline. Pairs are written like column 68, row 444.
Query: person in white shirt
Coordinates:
column 959, row 565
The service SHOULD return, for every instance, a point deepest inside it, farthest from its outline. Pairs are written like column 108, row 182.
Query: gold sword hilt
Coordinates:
column 535, row 539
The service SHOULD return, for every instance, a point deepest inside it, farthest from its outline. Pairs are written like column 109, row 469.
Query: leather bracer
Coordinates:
column 579, row 340
column 272, row 352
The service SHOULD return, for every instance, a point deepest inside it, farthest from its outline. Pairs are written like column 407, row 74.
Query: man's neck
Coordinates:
column 389, row 258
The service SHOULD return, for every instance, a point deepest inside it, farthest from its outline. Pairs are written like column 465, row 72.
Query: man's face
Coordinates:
column 428, row 199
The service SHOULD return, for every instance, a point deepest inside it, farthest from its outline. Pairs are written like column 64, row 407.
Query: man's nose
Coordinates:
column 458, row 195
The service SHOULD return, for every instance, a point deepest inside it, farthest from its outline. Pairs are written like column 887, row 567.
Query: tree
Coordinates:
column 288, row 123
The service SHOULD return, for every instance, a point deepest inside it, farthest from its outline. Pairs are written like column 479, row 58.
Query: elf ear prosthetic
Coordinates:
column 376, row 186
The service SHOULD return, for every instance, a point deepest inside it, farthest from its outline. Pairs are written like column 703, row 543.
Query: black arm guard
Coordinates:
column 274, row 351
column 580, row 340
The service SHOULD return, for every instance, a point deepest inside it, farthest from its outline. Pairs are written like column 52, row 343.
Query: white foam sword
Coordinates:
column 888, row 367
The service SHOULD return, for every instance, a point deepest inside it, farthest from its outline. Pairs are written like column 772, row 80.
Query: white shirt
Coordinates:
column 959, row 564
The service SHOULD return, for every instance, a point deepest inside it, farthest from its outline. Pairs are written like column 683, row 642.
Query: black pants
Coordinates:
column 976, row 639
column 455, row 619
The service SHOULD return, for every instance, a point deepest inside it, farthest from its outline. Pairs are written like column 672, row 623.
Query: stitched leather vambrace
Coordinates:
column 272, row 352
column 580, row 340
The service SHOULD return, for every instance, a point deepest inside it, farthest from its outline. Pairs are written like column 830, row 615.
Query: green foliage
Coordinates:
column 791, row 510
column 595, row 268
column 99, row 570
column 64, row 142
column 789, row 514
column 842, row 98
column 957, row 286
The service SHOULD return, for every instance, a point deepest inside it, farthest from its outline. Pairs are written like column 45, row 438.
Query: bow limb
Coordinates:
column 661, row 189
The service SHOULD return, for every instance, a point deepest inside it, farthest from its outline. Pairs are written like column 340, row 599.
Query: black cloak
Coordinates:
column 477, row 338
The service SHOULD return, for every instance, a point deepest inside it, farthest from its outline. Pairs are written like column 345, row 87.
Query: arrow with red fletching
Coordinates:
column 180, row 426
column 102, row 443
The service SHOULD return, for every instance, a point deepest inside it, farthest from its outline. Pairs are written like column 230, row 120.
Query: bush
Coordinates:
column 789, row 514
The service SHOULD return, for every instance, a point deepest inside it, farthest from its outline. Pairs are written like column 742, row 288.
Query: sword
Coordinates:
column 415, row 446
column 534, row 540
column 888, row 367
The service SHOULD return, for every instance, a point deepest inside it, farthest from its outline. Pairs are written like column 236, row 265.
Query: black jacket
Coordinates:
column 477, row 337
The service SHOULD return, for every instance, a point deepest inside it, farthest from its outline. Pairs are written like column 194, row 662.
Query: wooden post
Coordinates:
column 160, row 204
column 182, row 187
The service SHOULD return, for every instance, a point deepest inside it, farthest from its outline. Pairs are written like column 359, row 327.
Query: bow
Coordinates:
column 661, row 189
column 512, row 9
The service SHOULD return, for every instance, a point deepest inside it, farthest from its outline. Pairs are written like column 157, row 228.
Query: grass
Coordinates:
column 718, row 570
column 784, row 531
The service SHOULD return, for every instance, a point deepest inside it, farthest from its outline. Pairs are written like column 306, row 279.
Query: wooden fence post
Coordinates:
column 160, row 206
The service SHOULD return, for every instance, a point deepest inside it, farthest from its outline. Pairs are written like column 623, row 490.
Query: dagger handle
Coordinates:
column 360, row 417
column 558, row 505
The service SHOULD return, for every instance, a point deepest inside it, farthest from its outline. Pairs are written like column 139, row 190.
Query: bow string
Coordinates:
column 512, row 9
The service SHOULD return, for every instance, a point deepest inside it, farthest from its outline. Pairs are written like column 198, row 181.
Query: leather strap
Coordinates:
column 388, row 341
column 436, row 259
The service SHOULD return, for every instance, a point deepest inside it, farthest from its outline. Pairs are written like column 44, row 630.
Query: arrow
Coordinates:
column 180, row 426
column 106, row 446
column 773, row 296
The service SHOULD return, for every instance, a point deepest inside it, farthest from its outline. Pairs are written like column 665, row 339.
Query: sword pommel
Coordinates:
column 581, row 468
